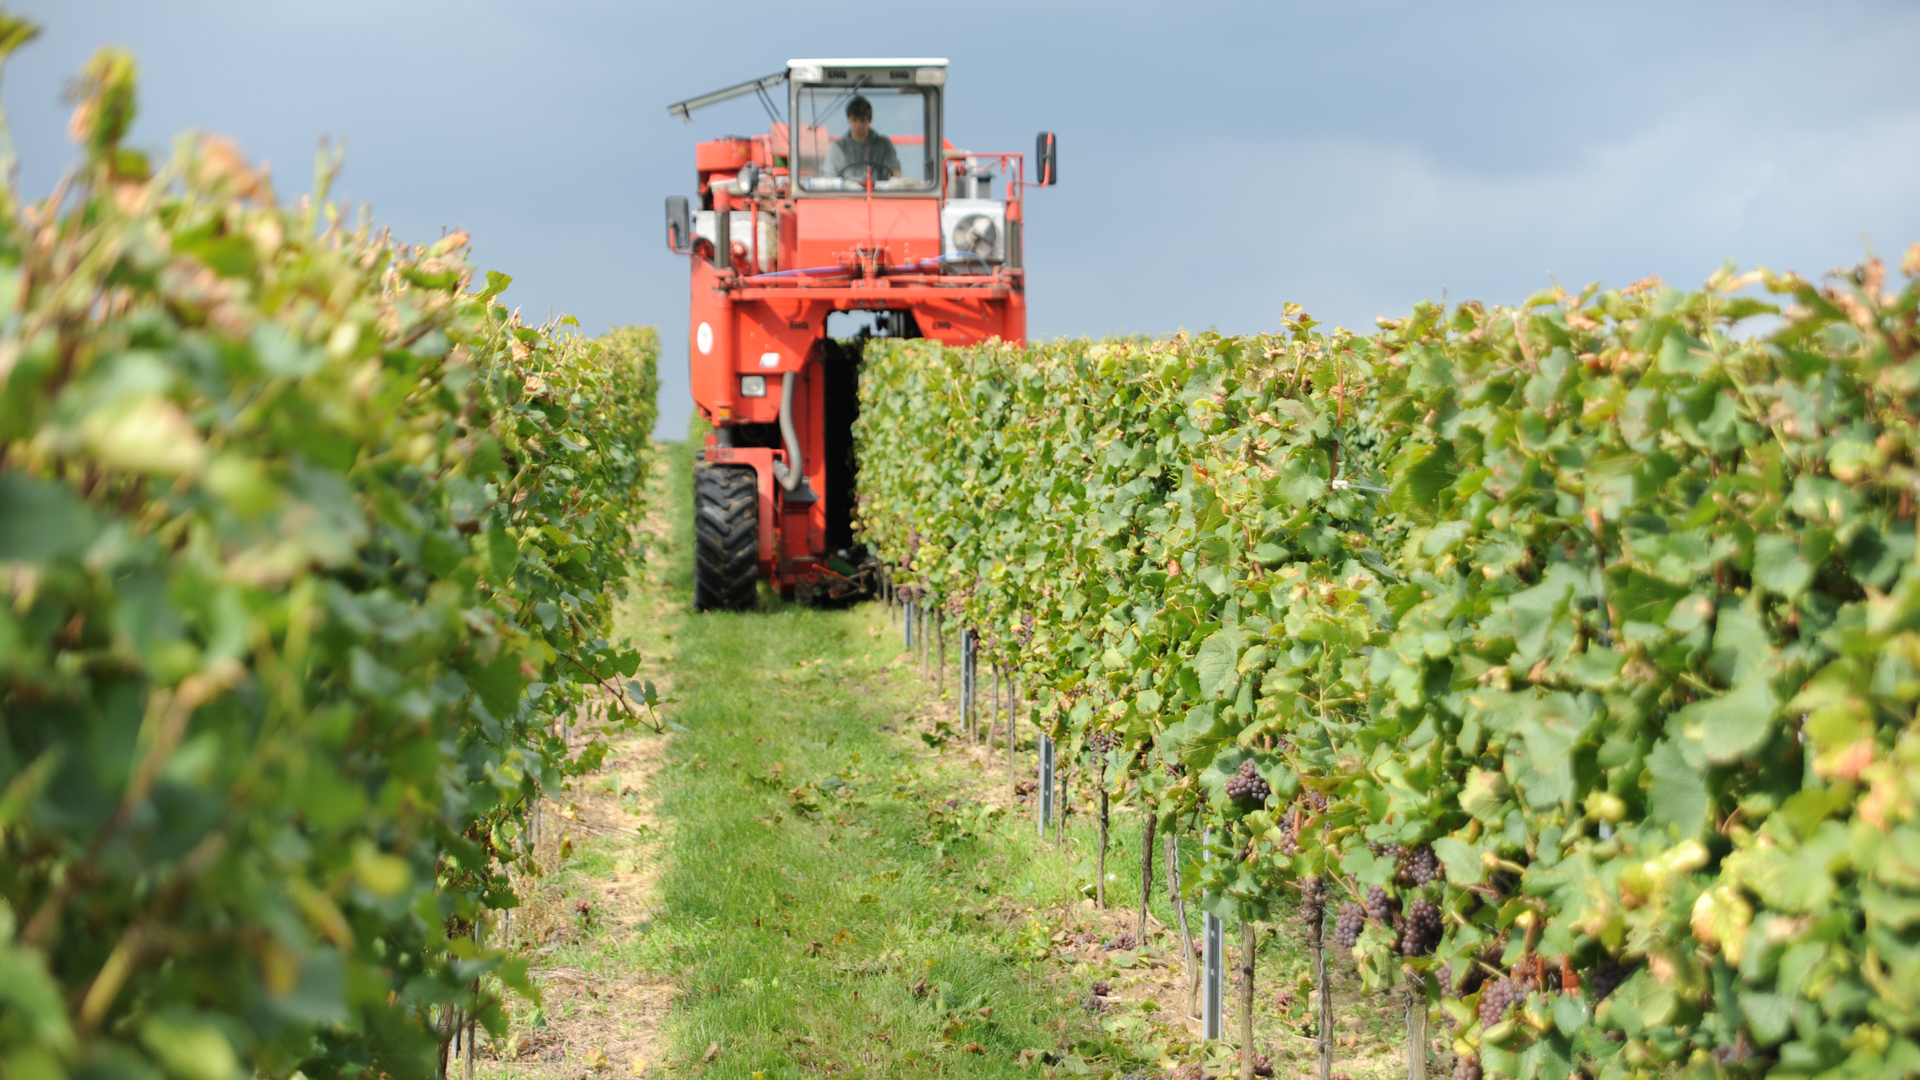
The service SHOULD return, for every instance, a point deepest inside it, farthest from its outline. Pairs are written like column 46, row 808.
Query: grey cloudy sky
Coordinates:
column 1218, row 159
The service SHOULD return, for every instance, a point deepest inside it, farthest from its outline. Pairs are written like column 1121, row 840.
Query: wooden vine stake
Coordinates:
column 1186, row 931
column 1146, row 872
column 1013, row 729
column 1100, row 863
column 1313, row 917
column 1043, row 791
column 1061, row 804
column 1416, row 1026
column 1246, row 999
column 966, row 683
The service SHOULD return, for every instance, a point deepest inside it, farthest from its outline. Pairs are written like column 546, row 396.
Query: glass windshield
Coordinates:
column 848, row 134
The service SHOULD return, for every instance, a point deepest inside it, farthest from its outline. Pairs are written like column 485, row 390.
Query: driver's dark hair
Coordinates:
column 859, row 109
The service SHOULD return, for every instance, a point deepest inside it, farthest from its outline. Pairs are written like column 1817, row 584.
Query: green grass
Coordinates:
column 836, row 914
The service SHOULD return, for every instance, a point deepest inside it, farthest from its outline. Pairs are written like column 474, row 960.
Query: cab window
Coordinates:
column 830, row 159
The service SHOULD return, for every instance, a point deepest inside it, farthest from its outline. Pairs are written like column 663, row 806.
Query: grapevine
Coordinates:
column 329, row 529
column 1347, row 926
column 1545, row 612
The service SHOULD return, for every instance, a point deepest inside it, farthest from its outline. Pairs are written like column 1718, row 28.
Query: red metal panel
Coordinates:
column 829, row 229
column 788, row 327
column 722, row 155
column 710, row 322
column 957, row 321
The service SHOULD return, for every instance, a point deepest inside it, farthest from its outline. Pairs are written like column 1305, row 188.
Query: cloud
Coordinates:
column 1355, row 228
column 1220, row 158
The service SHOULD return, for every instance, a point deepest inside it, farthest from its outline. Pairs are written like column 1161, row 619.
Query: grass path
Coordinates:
column 812, row 877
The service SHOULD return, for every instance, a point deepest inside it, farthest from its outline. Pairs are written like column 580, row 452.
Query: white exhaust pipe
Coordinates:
column 793, row 480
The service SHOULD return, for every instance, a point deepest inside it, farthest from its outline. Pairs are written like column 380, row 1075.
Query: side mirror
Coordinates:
column 679, row 225
column 1045, row 172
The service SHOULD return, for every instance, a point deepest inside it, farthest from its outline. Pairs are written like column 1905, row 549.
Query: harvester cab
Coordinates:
column 853, row 202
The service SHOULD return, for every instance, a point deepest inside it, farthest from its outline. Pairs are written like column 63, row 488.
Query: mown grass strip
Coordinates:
column 837, row 914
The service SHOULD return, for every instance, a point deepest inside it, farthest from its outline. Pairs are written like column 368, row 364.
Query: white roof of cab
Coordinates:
column 884, row 61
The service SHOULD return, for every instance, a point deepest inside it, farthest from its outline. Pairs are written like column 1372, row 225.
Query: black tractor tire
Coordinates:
column 726, row 537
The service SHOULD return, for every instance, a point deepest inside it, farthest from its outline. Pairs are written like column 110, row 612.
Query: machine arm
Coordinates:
column 684, row 109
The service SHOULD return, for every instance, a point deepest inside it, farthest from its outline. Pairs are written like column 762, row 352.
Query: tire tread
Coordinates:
column 726, row 538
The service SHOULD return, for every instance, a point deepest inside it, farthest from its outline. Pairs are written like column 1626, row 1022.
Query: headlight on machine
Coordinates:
column 753, row 386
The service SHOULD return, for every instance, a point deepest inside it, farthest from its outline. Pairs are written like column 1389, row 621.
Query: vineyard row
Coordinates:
column 1565, row 656
column 306, row 545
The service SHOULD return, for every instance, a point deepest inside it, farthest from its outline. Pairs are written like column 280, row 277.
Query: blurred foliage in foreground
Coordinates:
column 307, row 555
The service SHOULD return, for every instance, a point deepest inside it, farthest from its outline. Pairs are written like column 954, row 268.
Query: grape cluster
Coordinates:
column 1421, row 930
column 1379, row 904
column 1346, row 929
column 1317, row 799
column 1419, row 866
column 1102, row 741
column 1175, row 770
column 1262, row 1065
column 1472, row 974
column 1289, row 840
column 1248, row 784
column 1466, row 1068
column 1026, row 628
column 1607, row 978
column 1383, row 850
column 1496, row 998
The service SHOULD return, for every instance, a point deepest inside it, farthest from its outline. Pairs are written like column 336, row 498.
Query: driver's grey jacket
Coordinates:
column 876, row 150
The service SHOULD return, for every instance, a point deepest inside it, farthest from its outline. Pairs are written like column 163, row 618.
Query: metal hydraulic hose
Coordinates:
column 925, row 265
column 920, row 267
column 794, row 476
column 811, row 271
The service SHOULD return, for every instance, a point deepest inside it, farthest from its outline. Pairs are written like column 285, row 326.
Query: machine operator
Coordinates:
column 863, row 148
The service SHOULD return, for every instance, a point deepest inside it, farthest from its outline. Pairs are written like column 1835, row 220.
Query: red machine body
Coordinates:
column 779, row 243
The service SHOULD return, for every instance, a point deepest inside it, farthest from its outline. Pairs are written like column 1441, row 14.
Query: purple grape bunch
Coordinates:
column 1346, row 928
column 1606, row 978
column 1379, row 905
column 1248, row 784
column 1496, row 997
column 1102, row 741
column 1381, row 849
column 1466, row 1068
column 1419, row 866
column 1421, row 930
